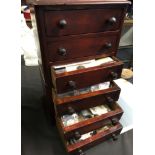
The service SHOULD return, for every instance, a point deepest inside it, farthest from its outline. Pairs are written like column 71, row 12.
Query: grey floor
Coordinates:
column 39, row 137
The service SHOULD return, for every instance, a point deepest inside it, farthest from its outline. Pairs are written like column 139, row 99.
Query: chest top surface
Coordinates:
column 74, row 2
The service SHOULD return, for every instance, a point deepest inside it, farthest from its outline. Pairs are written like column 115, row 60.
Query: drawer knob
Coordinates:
column 80, row 152
column 112, row 20
column 114, row 137
column 114, row 121
column 108, row 45
column 114, row 75
column 110, row 100
column 62, row 51
column 71, row 110
column 72, row 84
column 77, row 135
column 62, row 23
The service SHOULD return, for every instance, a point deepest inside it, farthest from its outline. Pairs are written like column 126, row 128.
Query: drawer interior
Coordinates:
column 93, row 137
column 87, row 111
column 88, row 91
column 91, row 115
column 82, row 66
column 81, row 124
column 85, row 77
column 85, row 99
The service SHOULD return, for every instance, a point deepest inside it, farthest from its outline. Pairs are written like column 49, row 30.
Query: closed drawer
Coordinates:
column 86, row 77
column 78, row 146
column 68, row 48
column 73, row 22
column 87, row 100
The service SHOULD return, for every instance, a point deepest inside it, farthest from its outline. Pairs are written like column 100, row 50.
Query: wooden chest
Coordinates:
column 77, row 42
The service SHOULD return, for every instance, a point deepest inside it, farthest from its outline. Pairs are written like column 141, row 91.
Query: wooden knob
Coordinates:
column 71, row 110
column 94, row 132
column 80, row 152
column 112, row 20
column 114, row 75
column 62, row 51
column 114, row 137
column 77, row 135
column 72, row 84
column 110, row 100
column 62, row 23
column 114, row 121
column 108, row 45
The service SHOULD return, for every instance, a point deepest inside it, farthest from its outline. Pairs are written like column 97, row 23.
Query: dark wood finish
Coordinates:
column 38, row 29
column 38, row 22
column 92, row 123
column 89, row 142
column 85, row 101
column 69, row 31
column 69, row 2
column 86, row 77
column 82, row 46
column 91, row 21
column 95, row 139
column 38, row 26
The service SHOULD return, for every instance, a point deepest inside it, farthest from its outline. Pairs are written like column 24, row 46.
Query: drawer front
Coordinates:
column 86, row 101
column 86, row 77
column 94, row 140
column 73, row 22
column 82, row 46
column 100, row 137
column 93, row 123
column 91, row 126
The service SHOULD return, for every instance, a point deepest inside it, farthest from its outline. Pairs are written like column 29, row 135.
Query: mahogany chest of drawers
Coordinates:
column 68, row 32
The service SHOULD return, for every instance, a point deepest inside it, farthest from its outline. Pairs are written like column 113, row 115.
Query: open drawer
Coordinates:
column 82, row 77
column 88, row 120
column 77, row 146
column 69, row 104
